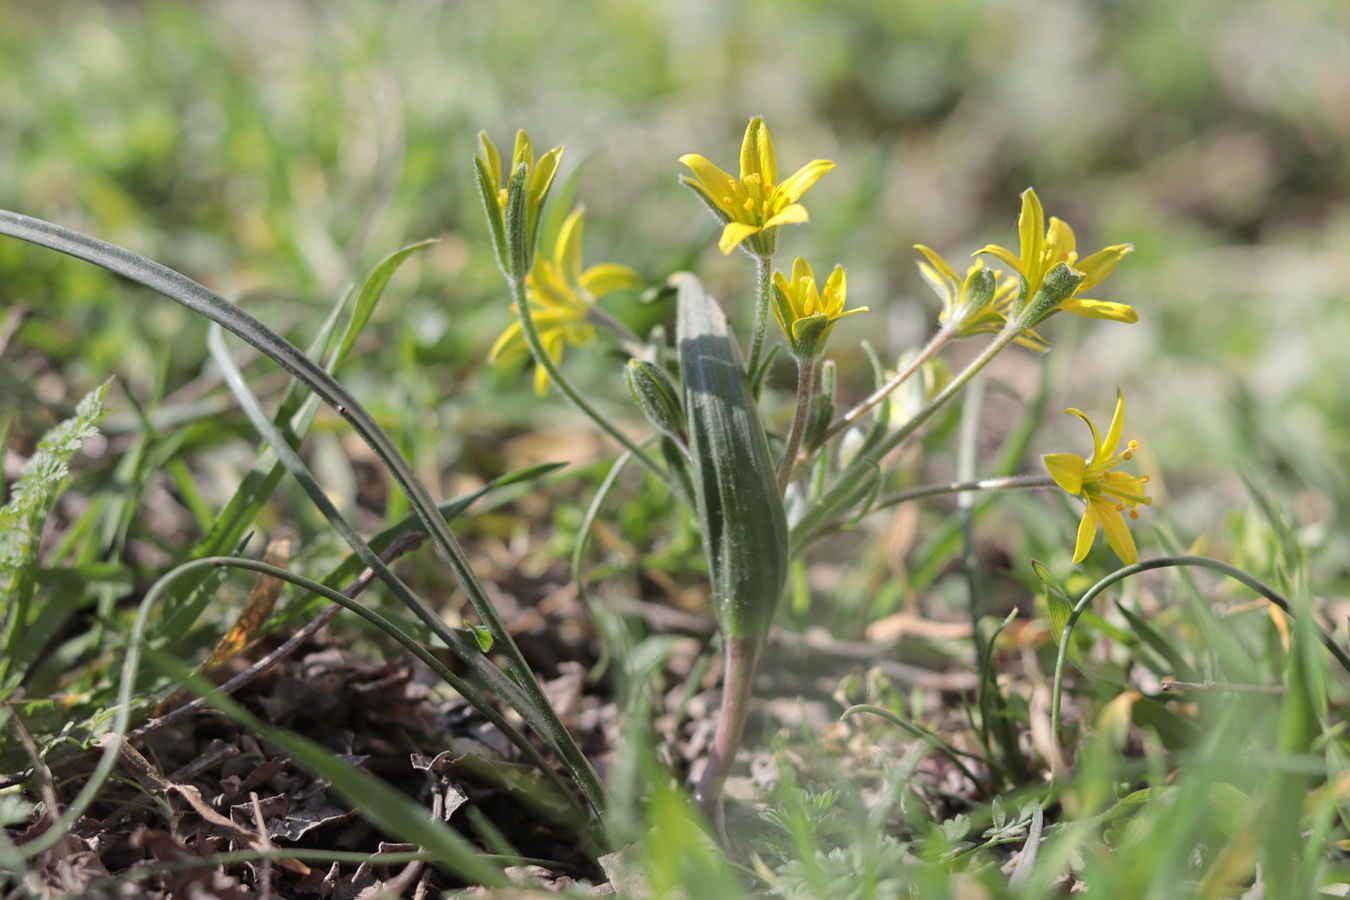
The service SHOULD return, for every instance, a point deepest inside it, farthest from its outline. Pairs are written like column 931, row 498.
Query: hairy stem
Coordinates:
column 936, row 343
column 741, row 662
column 763, row 268
column 806, row 378
column 541, row 357
column 1011, row 483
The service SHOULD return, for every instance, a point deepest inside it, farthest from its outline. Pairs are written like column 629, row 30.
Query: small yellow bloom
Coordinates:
column 540, row 175
column 754, row 205
column 1108, row 494
column 806, row 313
column 561, row 294
column 515, row 251
column 976, row 304
column 1043, row 249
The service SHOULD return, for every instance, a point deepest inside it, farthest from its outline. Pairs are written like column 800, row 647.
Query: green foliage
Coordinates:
column 21, row 521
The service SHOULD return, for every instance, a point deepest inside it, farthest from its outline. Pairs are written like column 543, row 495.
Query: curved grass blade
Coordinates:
column 199, row 299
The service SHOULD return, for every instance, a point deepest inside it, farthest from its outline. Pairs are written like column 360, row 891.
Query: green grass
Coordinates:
column 280, row 161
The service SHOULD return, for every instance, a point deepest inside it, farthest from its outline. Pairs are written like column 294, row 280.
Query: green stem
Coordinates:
column 806, row 377
column 1011, row 483
column 811, row 522
column 1164, row 562
column 541, row 358
column 936, row 343
column 763, row 270
column 631, row 342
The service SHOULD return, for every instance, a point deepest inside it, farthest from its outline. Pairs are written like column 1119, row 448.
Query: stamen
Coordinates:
column 1134, row 514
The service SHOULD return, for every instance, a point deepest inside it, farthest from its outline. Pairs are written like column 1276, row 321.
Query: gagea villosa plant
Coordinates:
column 759, row 498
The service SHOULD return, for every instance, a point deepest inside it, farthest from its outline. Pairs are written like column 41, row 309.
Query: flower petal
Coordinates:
column 733, row 234
column 712, row 181
column 1003, row 255
column 1117, row 425
column 788, row 215
column 567, row 252
column 757, row 155
column 1098, row 452
column 509, row 344
column 1117, row 532
column 1060, row 244
column 600, row 280
column 1100, row 264
column 1101, row 309
column 803, row 180
column 1030, row 228
column 1067, row 469
column 1087, row 533
column 939, row 264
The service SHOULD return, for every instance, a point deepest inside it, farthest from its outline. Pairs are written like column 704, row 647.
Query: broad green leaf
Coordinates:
column 739, row 508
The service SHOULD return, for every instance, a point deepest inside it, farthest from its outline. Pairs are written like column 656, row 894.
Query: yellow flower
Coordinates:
column 976, row 304
column 754, row 205
column 514, row 251
column 1042, row 250
column 1108, row 494
column 561, row 294
column 805, row 313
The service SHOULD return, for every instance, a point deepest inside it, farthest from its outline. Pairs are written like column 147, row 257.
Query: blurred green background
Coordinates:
column 274, row 150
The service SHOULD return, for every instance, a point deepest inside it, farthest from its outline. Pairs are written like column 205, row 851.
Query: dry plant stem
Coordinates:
column 541, row 357
column 404, row 543
column 741, row 662
column 763, row 270
column 806, row 378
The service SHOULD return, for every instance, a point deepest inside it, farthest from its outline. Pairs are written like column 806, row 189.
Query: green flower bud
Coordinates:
column 657, row 397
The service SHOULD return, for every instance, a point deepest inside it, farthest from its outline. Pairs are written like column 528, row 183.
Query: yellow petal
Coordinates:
column 542, row 176
column 938, row 263
column 567, row 252
column 1087, row 533
column 1067, row 469
column 803, row 180
column 1098, row 452
column 788, row 215
column 524, row 151
column 712, row 181
column 1101, row 309
column 836, row 287
column 1060, row 243
column 509, row 344
column 1100, row 264
column 1117, row 532
column 600, row 280
column 757, row 155
column 733, row 234
column 1117, row 425
column 1030, row 228
column 1003, row 255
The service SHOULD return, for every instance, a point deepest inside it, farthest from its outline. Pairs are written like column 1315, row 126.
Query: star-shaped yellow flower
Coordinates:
column 561, row 294
column 1108, row 494
column 494, row 190
column 754, row 205
column 976, row 304
column 807, row 313
column 1043, row 249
